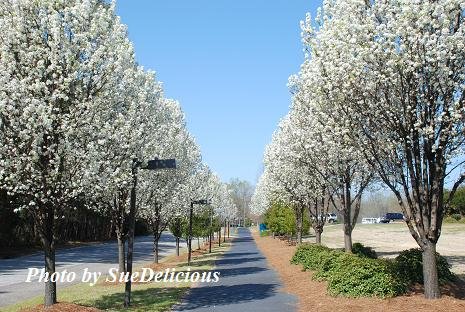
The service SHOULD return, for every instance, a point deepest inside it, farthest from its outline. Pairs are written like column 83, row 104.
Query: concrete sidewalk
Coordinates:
column 246, row 283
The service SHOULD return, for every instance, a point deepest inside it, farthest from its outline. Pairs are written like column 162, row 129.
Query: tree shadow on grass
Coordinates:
column 151, row 299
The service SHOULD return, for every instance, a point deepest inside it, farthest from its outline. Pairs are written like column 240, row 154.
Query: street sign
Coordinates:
column 157, row 164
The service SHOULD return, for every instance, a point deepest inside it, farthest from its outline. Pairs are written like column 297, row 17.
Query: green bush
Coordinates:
column 456, row 216
column 364, row 251
column 450, row 219
column 354, row 276
column 358, row 275
column 280, row 219
column 348, row 274
column 265, row 233
column 409, row 264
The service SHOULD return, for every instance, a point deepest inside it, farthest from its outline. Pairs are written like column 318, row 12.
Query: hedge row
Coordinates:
column 361, row 274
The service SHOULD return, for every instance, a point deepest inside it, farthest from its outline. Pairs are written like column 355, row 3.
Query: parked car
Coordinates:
column 391, row 216
column 370, row 220
column 331, row 217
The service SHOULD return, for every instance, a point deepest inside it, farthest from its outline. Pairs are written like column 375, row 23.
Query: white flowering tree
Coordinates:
column 222, row 203
column 128, row 128
column 342, row 174
column 288, row 178
column 310, row 164
column 261, row 200
column 392, row 75
column 160, row 191
column 56, row 60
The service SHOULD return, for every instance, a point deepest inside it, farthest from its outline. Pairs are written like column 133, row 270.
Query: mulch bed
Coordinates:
column 312, row 295
column 61, row 307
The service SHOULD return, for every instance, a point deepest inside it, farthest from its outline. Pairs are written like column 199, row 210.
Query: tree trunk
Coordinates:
column 210, row 238
column 219, row 238
column 46, row 225
column 198, row 242
column 224, row 232
column 131, row 227
column 299, row 224
column 347, row 237
column 50, row 287
column 155, row 248
column 121, row 253
column 318, row 232
column 430, row 271
column 347, row 204
column 177, row 246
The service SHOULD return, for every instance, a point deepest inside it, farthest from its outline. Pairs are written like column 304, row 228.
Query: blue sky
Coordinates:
column 227, row 62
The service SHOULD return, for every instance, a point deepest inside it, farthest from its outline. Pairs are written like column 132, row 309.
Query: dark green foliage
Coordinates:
column 141, row 228
column 311, row 256
column 202, row 225
column 79, row 223
column 455, row 218
column 364, row 251
column 179, row 226
column 280, row 219
column 305, row 224
column 457, row 205
column 356, row 275
column 409, row 264
column 350, row 275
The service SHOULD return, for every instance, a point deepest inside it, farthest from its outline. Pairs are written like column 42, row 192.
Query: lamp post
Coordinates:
column 210, row 231
column 191, row 212
column 156, row 164
column 224, row 231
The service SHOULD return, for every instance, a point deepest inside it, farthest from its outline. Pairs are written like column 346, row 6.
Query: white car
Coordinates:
column 370, row 220
column 331, row 217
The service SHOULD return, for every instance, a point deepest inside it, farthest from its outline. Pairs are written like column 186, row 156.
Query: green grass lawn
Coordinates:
column 160, row 296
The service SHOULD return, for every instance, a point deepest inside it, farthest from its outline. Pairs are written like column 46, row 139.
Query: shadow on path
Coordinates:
column 246, row 284
column 225, row 295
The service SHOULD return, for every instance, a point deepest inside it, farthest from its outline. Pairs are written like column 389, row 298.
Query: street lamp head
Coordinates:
column 159, row 164
column 201, row 202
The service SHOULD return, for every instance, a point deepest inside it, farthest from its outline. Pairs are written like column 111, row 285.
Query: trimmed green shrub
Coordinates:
column 310, row 255
column 409, row 263
column 353, row 276
column 348, row 274
column 357, row 275
column 364, row 251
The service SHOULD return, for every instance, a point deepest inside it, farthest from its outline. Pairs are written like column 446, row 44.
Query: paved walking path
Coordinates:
column 246, row 284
